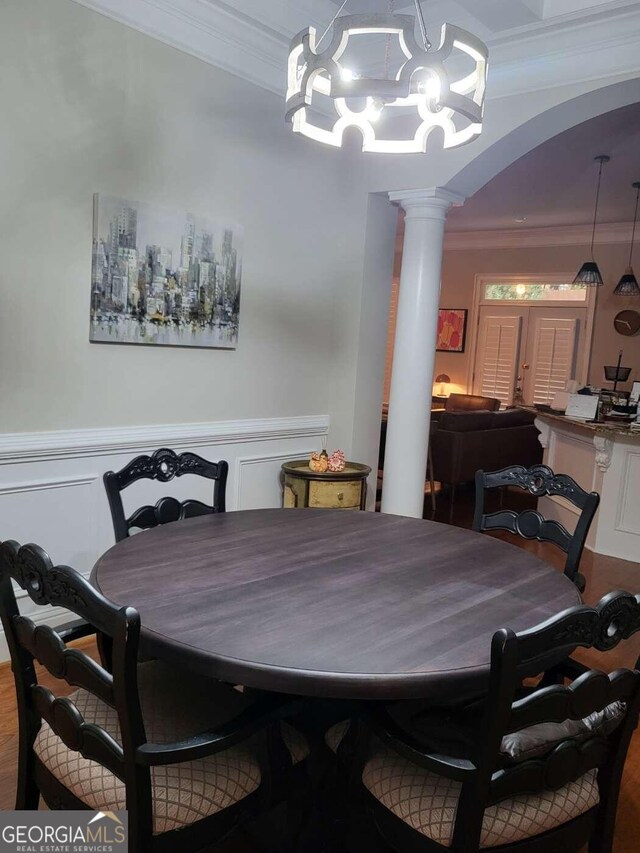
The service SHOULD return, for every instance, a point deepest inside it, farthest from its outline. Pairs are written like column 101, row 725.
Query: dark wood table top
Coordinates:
column 329, row 602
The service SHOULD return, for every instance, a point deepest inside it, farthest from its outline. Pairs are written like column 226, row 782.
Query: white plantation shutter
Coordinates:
column 552, row 365
column 498, row 348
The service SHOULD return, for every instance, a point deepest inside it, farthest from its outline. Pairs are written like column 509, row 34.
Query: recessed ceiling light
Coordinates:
column 521, row 219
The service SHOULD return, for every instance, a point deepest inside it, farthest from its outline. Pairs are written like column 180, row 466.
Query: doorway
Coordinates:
column 532, row 336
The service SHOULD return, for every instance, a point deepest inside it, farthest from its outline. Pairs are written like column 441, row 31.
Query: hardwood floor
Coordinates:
column 603, row 574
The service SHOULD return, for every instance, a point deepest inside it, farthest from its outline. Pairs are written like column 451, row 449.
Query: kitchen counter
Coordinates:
column 601, row 457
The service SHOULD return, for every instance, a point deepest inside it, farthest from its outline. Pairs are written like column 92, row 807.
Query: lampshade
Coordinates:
column 589, row 273
column 325, row 97
column 442, row 377
column 628, row 284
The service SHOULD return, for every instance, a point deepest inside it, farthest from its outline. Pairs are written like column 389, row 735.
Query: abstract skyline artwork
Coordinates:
column 163, row 277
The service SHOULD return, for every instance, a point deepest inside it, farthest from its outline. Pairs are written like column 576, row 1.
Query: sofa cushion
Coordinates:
column 429, row 802
column 465, row 421
column 174, row 706
column 512, row 418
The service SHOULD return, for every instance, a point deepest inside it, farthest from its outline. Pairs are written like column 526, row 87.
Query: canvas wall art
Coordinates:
column 452, row 328
column 163, row 277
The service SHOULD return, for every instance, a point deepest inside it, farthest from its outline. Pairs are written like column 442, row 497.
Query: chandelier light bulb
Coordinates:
column 451, row 103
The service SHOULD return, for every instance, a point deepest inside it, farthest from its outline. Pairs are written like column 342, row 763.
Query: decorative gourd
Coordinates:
column 319, row 462
column 336, row 461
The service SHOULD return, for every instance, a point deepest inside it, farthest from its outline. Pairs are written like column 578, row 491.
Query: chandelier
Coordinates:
column 436, row 88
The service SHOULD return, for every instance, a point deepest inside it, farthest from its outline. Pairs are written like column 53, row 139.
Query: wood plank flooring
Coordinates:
column 603, row 574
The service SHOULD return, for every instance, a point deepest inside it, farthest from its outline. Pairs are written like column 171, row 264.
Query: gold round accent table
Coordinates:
column 332, row 490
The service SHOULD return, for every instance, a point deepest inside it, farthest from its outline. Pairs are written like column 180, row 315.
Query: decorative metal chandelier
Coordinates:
column 444, row 97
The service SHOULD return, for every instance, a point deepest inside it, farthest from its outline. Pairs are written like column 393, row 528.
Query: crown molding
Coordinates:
column 528, row 238
column 249, row 38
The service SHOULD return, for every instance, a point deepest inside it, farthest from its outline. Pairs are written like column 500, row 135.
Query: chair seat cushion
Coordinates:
column 174, row 706
column 428, row 802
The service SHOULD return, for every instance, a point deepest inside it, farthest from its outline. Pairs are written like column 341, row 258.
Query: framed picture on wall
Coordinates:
column 452, row 329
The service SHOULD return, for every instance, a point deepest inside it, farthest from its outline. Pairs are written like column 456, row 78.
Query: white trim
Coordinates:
column 623, row 494
column 41, row 485
column 65, row 444
column 526, row 238
column 481, row 279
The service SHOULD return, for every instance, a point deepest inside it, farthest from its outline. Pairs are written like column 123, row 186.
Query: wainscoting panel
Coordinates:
column 51, row 490
column 258, row 479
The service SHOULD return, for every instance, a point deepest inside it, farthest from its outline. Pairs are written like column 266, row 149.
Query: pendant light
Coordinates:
column 628, row 284
column 589, row 272
column 325, row 97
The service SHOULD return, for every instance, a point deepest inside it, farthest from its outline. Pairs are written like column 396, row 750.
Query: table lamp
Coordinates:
column 443, row 379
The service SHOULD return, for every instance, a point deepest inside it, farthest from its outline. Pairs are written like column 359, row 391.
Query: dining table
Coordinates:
column 328, row 603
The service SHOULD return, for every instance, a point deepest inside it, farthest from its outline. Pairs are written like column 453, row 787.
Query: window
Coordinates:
column 534, row 292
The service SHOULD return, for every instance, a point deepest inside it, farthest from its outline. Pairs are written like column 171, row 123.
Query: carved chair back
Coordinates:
column 32, row 570
column 490, row 776
column 515, row 657
column 539, row 481
column 163, row 465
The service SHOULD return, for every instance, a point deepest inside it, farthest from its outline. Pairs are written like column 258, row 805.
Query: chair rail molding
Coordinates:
column 63, row 444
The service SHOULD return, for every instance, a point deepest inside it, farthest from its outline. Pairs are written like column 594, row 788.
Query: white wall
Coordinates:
column 90, row 105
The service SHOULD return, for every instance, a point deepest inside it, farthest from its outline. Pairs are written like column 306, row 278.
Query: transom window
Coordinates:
column 527, row 291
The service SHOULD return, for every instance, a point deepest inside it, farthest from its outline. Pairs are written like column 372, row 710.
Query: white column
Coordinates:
column 405, row 461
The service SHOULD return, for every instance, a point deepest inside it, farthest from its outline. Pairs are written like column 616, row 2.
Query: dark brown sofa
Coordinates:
column 471, row 403
column 467, row 441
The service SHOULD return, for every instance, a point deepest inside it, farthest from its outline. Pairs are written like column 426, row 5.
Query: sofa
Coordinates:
column 464, row 442
column 471, row 403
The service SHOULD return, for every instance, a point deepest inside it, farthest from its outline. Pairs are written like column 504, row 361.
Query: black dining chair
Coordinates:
column 539, row 481
column 189, row 758
column 163, row 465
column 536, row 771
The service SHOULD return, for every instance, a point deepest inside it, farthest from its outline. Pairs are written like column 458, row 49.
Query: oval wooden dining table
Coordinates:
column 329, row 603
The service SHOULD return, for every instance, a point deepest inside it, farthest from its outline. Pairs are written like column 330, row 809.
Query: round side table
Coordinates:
column 332, row 490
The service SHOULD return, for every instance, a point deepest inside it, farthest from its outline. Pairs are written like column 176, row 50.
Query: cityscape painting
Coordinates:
column 161, row 277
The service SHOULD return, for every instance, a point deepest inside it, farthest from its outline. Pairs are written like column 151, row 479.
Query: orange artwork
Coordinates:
column 452, row 323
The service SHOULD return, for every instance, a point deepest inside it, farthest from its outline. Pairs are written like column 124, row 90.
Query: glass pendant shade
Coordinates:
column 325, row 97
column 590, row 275
column 589, row 272
column 628, row 285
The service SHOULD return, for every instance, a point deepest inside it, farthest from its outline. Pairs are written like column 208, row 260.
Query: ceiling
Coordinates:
column 555, row 184
column 534, row 44
column 489, row 18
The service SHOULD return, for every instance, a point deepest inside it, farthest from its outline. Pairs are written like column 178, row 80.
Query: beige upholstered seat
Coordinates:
column 428, row 802
column 173, row 707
